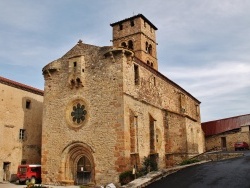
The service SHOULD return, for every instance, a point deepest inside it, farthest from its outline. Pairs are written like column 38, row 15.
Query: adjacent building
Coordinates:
column 224, row 133
column 20, row 126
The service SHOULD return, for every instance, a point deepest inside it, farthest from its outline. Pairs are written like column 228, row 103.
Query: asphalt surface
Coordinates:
column 230, row 173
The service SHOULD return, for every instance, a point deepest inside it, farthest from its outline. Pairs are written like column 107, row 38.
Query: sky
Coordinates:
column 203, row 45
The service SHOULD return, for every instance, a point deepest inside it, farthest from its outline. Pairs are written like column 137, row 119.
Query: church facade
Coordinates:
column 106, row 108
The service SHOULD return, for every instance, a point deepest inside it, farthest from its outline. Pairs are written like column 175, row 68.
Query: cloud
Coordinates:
column 203, row 45
column 218, row 86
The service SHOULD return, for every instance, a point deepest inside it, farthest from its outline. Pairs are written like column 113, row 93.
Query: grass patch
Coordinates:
column 189, row 161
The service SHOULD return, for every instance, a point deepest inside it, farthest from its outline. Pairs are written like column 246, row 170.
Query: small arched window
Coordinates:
column 123, row 44
column 146, row 47
column 121, row 27
column 130, row 45
column 150, row 49
column 152, row 64
column 148, row 62
column 132, row 23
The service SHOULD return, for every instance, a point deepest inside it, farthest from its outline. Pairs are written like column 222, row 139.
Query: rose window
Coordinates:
column 78, row 114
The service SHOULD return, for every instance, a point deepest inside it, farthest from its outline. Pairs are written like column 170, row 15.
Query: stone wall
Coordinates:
column 176, row 114
column 103, row 129
column 231, row 137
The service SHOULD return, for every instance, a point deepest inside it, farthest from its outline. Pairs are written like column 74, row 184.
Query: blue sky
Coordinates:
column 203, row 45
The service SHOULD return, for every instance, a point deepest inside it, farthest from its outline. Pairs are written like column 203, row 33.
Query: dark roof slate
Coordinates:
column 133, row 17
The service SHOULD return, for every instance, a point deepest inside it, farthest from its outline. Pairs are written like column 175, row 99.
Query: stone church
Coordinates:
column 106, row 108
column 103, row 109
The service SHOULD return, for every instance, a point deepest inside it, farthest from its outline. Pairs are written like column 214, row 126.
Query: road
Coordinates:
column 231, row 173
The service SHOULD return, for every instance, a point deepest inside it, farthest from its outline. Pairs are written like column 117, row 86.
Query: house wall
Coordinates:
column 231, row 138
column 15, row 116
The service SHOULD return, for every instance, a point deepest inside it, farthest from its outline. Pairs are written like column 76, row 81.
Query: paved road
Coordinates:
column 231, row 173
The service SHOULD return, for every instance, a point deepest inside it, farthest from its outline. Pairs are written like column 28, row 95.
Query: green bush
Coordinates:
column 149, row 165
column 126, row 177
column 189, row 161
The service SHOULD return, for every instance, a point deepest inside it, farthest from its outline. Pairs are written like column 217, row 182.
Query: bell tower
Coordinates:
column 137, row 33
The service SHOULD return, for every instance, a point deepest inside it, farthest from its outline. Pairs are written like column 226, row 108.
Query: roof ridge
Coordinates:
column 19, row 85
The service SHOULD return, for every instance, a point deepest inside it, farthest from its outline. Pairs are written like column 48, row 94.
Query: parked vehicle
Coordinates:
column 29, row 173
column 241, row 146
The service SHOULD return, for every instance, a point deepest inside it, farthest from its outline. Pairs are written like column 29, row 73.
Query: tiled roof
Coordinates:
column 133, row 17
column 21, row 86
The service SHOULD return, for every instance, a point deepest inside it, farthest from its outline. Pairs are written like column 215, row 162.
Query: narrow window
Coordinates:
column 148, row 62
column 121, row 27
column 132, row 23
column 152, row 134
column 136, row 133
column 132, row 133
column 146, row 47
column 28, row 102
column 150, row 49
column 74, row 64
column 130, row 45
column 136, row 74
column 152, row 65
column 197, row 110
column 21, row 134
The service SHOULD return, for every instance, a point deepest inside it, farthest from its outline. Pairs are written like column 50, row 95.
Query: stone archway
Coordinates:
column 77, row 164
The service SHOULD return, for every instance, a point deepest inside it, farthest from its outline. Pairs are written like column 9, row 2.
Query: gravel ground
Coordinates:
column 13, row 185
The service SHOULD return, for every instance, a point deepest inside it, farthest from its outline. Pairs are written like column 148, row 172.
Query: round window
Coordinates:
column 76, row 113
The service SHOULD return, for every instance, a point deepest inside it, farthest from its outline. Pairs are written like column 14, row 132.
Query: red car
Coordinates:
column 241, row 146
column 29, row 173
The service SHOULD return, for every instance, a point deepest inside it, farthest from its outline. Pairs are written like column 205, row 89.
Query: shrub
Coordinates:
column 149, row 164
column 126, row 177
column 189, row 161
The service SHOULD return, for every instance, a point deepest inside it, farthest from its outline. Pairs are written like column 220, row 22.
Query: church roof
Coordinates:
column 133, row 17
column 20, row 86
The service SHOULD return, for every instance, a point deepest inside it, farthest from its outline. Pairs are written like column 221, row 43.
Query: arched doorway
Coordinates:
column 83, row 171
column 78, row 164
